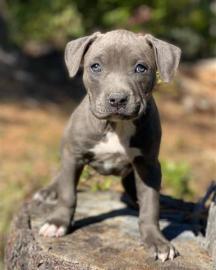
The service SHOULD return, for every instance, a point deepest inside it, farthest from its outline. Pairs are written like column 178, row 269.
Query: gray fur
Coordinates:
column 122, row 140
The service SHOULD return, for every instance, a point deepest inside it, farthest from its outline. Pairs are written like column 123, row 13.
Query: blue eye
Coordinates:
column 96, row 67
column 140, row 68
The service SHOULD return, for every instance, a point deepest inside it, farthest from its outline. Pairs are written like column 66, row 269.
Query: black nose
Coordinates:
column 118, row 99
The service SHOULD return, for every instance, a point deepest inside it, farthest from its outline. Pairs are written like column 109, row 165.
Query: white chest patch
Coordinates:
column 118, row 141
column 110, row 144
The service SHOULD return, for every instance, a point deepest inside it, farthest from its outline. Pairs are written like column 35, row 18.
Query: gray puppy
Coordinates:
column 116, row 128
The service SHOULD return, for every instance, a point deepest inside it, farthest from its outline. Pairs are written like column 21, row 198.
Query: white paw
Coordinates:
column 171, row 254
column 51, row 230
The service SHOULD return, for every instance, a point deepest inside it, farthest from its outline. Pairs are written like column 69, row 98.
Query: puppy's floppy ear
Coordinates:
column 75, row 51
column 167, row 57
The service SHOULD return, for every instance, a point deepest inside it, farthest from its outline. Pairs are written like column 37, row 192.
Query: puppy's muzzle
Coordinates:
column 118, row 100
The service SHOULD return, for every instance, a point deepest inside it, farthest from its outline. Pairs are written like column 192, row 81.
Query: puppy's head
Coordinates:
column 120, row 70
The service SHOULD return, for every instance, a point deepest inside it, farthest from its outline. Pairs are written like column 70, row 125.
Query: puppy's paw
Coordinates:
column 48, row 195
column 58, row 222
column 154, row 241
column 52, row 230
column 165, row 252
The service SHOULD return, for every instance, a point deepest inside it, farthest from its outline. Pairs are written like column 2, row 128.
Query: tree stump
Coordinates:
column 211, row 232
column 104, row 236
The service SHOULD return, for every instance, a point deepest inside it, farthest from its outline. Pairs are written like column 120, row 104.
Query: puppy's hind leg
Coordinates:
column 130, row 195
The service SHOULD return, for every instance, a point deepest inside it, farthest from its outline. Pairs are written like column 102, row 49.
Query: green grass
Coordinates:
column 176, row 178
column 95, row 182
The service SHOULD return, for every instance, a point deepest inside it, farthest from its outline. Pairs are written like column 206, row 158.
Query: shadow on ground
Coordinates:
column 180, row 216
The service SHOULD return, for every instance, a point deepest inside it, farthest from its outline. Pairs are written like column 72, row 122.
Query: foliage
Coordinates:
column 176, row 179
column 91, row 180
column 176, row 176
column 44, row 21
column 189, row 23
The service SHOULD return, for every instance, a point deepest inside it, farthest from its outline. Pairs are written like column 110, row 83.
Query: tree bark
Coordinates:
column 211, row 232
column 104, row 236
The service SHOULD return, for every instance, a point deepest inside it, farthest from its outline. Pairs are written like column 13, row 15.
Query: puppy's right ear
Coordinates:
column 75, row 51
column 167, row 57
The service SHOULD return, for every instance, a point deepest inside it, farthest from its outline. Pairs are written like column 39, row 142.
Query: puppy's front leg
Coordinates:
column 148, row 180
column 60, row 220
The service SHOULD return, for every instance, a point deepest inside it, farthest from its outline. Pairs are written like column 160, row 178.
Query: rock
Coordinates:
column 105, row 236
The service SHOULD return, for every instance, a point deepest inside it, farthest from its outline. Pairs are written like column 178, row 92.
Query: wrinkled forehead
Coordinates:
column 124, row 46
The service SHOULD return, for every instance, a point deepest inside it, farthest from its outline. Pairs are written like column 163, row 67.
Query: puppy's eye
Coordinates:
column 96, row 67
column 140, row 68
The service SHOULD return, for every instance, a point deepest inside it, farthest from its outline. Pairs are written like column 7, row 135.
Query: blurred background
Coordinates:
column 36, row 96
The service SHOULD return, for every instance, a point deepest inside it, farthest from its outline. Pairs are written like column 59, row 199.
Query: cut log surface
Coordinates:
column 104, row 236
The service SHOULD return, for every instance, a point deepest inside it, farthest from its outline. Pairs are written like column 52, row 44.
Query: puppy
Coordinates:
column 116, row 128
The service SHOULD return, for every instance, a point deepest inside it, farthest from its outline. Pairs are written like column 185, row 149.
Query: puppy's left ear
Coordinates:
column 167, row 57
column 75, row 51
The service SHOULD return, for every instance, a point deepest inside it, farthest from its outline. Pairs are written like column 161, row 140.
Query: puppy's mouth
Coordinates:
column 117, row 114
